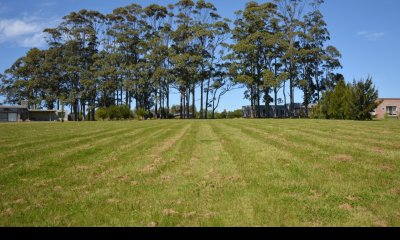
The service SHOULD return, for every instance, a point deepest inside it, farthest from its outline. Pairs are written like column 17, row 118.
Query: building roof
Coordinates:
column 17, row 106
column 41, row 110
column 388, row 98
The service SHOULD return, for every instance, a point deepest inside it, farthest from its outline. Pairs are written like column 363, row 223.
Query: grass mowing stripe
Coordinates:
column 55, row 138
column 260, row 190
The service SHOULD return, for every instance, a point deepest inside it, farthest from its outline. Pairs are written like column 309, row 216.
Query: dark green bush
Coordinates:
column 101, row 114
column 140, row 113
column 114, row 113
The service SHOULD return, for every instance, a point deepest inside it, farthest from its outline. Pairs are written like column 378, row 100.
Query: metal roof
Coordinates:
column 18, row 107
column 41, row 110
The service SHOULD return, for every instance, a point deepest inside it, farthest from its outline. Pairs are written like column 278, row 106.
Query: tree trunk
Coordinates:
column 181, row 106
column 291, row 107
column 208, row 85
column 167, row 93
column 127, row 98
column 201, row 98
column 276, row 102
column 258, row 103
column 252, row 111
column 284, row 98
column 193, row 101
column 188, row 103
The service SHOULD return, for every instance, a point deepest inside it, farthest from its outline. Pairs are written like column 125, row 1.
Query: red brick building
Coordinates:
column 389, row 107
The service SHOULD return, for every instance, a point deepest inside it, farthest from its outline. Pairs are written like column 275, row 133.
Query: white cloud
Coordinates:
column 15, row 28
column 372, row 36
column 25, row 31
column 36, row 40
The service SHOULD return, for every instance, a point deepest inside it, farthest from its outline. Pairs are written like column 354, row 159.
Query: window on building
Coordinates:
column 3, row 117
column 391, row 110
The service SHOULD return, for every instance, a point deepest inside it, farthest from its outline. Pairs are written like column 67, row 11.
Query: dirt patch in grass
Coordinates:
column 346, row 207
column 103, row 174
column 170, row 212
column 386, row 167
column 352, row 198
column 166, row 178
column 8, row 212
column 19, row 201
column 81, row 168
column 123, row 178
column 209, row 214
column 152, row 224
column 134, row 183
column 40, row 184
column 189, row 214
column 395, row 191
column 377, row 150
column 112, row 200
column 342, row 158
column 148, row 168
column 315, row 195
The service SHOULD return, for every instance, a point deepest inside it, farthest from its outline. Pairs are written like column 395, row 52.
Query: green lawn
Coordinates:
column 200, row 173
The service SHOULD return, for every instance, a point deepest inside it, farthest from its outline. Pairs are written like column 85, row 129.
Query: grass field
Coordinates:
column 200, row 173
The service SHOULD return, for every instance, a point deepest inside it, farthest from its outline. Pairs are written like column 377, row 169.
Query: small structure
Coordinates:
column 282, row 110
column 43, row 115
column 389, row 107
column 13, row 113
column 21, row 113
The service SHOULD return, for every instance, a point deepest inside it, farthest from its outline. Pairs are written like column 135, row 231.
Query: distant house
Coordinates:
column 283, row 111
column 13, row 113
column 21, row 113
column 389, row 107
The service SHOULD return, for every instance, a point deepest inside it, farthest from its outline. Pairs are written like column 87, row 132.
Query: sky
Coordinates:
column 366, row 32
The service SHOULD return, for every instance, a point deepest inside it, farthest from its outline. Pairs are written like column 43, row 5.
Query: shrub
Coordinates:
column 123, row 112
column 112, row 113
column 140, row 113
column 101, row 114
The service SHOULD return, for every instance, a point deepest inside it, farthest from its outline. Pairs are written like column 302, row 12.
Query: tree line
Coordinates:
column 135, row 56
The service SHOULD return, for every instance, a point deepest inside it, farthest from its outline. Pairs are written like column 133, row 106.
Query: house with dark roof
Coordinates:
column 21, row 113
column 282, row 110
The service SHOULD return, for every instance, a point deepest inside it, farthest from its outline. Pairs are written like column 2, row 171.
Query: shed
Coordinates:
column 13, row 113
column 43, row 115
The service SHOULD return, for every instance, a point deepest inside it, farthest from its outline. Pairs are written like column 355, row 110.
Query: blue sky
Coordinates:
column 366, row 32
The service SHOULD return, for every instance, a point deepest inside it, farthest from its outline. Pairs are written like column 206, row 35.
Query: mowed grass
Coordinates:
column 200, row 173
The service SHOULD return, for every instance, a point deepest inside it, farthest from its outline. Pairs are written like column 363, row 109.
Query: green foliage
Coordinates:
column 140, row 113
column 101, row 114
column 348, row 101
column 229, row 114
column 114, row 113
